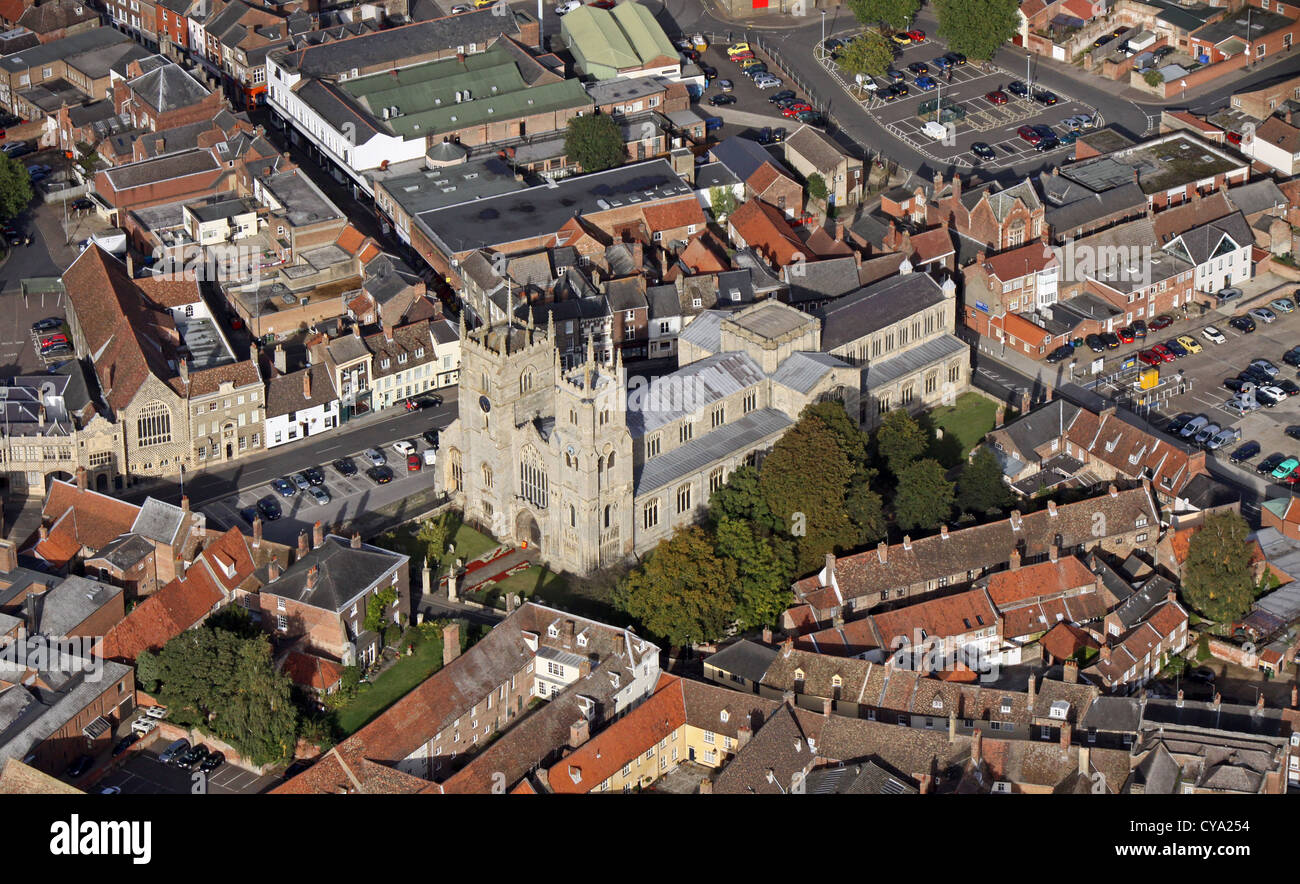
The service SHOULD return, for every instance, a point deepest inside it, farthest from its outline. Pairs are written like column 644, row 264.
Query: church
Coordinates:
column 589, row 466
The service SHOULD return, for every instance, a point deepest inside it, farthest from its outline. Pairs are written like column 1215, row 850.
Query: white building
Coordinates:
column 1220, row 250
column 300, row 404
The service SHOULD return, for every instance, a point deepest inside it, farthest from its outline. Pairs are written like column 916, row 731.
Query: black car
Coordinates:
column 1065, row 351
column 887, row 93
column 314, row 475
column 1293, row 431
column 1047, row 144
column 724, row 98
column 1245, row 452
column 982, row 150
column 1044, row 131
column 125, row 743
column 1095, row 343
column 1045, row 98
column 1111, row 340
column 47, row 324
column 1176, row 425
column 1270, row 463
column 1242, row 324
column 196, row 755
column 431, row 436
column 1175, row 348
column 248, row 513
column 1015, row 87
column 380, row 475
column 919, row 68
column 955, row 58
column 269, row 507
column 1139, row 329
column 1292, row 357
column 1234, row 384
column 783, row 95
column 1287, row 386
column 79, row 767
column 212, row 762
column 811, row 117
column 709, row 71
column 345, row 467
column 82, row 205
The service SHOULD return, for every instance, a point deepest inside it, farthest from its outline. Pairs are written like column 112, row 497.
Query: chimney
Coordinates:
column 907, row 542
column 273, row 570
column 830, row 567
column 1053, row 552
column 579, row 731
column 568, row 633
column 9, row 559
column 767, row 635
column 1015, row 520
column 956, row 186
column 882, row 552
column 1180, row 697
column 826, row 706
column 281, row 361
column 1051, row 508
column 1085, row 761
column 44, row 532
column 1259, row 703
column 1065, row 738
column 317, row 535
column 185, row 504
column 706, row 786
column 1218, row 701
column 923, row 784
column 980, row 257
column 257, row 531
column 81, row 478
column 787, row 697
column 356, row 540
column 1113, row 491
column 975, row 746
column 450, row 642
column 313, row 574
column 1032, row 692
column 1295, row 696
column 938, row 184
column 1136, row 177
column 1105, row 653
column 1056, row 170
column 952, row 725
column 743, row 733
column 130, row 265
column 1070, row 674
column 303, row 549
column 1015, row 560
column 306, row 383
column 943, row 531
column 787, row 646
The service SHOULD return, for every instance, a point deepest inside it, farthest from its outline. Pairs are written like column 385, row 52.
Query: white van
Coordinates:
column 936, row 130
column 430, row 457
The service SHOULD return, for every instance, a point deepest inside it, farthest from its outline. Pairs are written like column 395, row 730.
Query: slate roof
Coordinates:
column 29, row 715
column 818, row 280
column 802, row 371
column 284, row 391
column 168, row 88
column 878, row 375
column 689, row 389
column 159, row 521
column 768, row 763
column 876, row 306
column 745, row 658
column 734, row 436
column 343, row 574
column 68, row 605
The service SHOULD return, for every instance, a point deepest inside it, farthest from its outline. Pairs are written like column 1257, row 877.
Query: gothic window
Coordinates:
column 487, row 476
column 573, row 516
column 650, row 515
column 457, row 476
column 683, row 498
column 716, row 480
column 155, row 425
column 532, row 478
column 526, row 381
column 652, row 446
column 609, row 461
column 608, row 510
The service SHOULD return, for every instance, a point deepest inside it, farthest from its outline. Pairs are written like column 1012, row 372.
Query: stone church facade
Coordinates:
column 590, row 467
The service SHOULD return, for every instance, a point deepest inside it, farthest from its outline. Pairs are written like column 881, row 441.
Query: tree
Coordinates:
column 15, row 188
column 722, row 201
column 763, row 574
column 817, row 188
column 980, row 488
column 377, row 608
column 895, row 14
column 683, row 590
column 1217, row 578
column 924, row 497
column 900, row 440
column 741, row 499
column 594, row 142
column 977, row 28
column 1153, row 78
column 871, row 53
column 867, row 513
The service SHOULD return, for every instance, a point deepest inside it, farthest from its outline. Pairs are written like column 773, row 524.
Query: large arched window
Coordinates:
column 532, row 478
column 526, row 380
column 155, row 425
column 457, row 475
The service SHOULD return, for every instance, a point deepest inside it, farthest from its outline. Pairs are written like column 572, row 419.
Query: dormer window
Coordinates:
column 582, row 640
column 553, row 631
column 1060, row 709
column 836, row 681
column 798, row 675
column 724, row 715
column 1006, row 705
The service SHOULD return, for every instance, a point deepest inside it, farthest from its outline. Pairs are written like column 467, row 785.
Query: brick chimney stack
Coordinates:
column 185, row 504
column 882, row 552
column 743, row 733
column 273, row 570
column 976, row 747
column 827, row 702
column 9, row 557
column 356, row 540
column 306, row 383
column 1032, row 693
column 1015, row 560
column 1065, row 738
column 1295, row 696
column 579, row 732
column 257, row 531
column 450, row 642
column 317, row 535
column 313, row 574
column 924, row 782
column 767, row 635
column 1070, row 672
column 81, row 478
column 706, row 786
column 303, row 548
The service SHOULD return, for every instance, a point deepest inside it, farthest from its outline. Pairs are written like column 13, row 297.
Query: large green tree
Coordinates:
column 900, row 440
column 15, row 188
column 894, row 14
column 977, row 28
column 980, row 488
column 741, row 499
column 225, row 682
column 683, row 592
column 1217, row 578
column 594, row 142
column 763, row 571
column 924, row 497
column 722, row 201
column 870, row 53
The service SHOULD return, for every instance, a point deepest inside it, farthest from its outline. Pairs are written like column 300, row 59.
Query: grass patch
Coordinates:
column 470, row 543
column 391, row 685
column 964, row 425
column 536, row 580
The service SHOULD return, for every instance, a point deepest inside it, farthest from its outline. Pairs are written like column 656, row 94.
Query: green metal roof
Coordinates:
column 426, row 95
column 626, row 36
column 645, row 34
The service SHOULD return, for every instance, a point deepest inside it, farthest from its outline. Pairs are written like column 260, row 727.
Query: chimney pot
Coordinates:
column 257, row 531
column 273, row 570
column 1015, row 560
column 1070, row 672
column 976, row 749
column 882, row 552
column 356, row 540
column 81, row 476
column 313, row 573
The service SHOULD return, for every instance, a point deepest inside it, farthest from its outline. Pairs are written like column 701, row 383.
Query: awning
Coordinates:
column 97, row 728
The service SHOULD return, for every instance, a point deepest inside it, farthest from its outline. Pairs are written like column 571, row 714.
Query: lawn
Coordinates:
column 536, row 580
column 391, row 685
column 966, row 421
column 470, row 544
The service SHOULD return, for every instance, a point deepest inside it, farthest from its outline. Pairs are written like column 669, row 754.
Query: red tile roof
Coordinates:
column 1042, row 579
column 943, row 617
column 88, row 518
column 1064, row 640
column 312, row 671
column 764, row 228
column 1033, row 258
column 164, row 615
column 677, row 214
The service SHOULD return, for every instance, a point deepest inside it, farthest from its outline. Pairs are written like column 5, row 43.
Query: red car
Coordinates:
column 1163, row 352
column 1028, row 134
column 795, row 109
column 1150, row 357
column 1161, row 321
column 603, row 4
column 413, row 463
column 997, row 96
column 54, row 339
column 916, row 36
column 1126, row 335
column 741, row 56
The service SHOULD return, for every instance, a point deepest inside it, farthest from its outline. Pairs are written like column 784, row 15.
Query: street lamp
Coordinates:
column 1028, row 81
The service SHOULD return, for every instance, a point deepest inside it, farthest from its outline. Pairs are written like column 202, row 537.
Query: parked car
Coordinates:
column 1176, row 425
column 1044, row 97
column 726, row 85
column 770, row 135
column 1193, row 426
column 1293, row 431
column 1210, row 333
column 956, row 58
column 997, row 96
column 918, row 68
column 811, row 118
column 1227, row 294
column 413, row 463
column 1292, row 357
column 1226, row 436
column 721, row 99
column 901, row 39
column 125, row 743
column 301, row 482
column 1244, row 452
column 269, row 507
column 1288, row 386
column 375, row 456
column 1126, row 335
column 1282, row 305
column 1017, row 88
column 982, row 150
column 942, row 63
column 1242, row 324
column 1111, row 340
column 216, row 759
column 345, row 467
column 48, row 324
column 1206, row 433
column 431, row 436
column 320, row 495
column 781, row 96
column 80, row 767
column 1234, row 384
column 1265, row 366
column 1150, row 357
column 1061, row 353
column 916, row 35
column 1263, row 314
column 174, row 751
column 403, row 447
column 1164, row 320
column 314, row 475
column 194, row 756
column 380, row 475
column 925, row 84
column 1095, row 343
column 766, row 81
column 1164, row 352
column 1285, row 468
column 1270, row 396
column 1189, row 343
column 1270, row 463
column 1028, row 133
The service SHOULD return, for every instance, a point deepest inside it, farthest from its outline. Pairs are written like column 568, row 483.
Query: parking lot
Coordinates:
column 752, row 110
column 1203, row 376
column 349, row 495
column 144, row 774
column 965, row 85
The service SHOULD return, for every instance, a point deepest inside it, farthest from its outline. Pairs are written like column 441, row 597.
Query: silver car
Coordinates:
column 1206, row 433
column 1226, row 436
column 1263, row 314
column 1193, row 426
column 320, row 495
column 375, row 456
column 1282, row 305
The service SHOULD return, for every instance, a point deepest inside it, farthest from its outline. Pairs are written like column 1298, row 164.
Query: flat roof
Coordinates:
column 430, row 189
